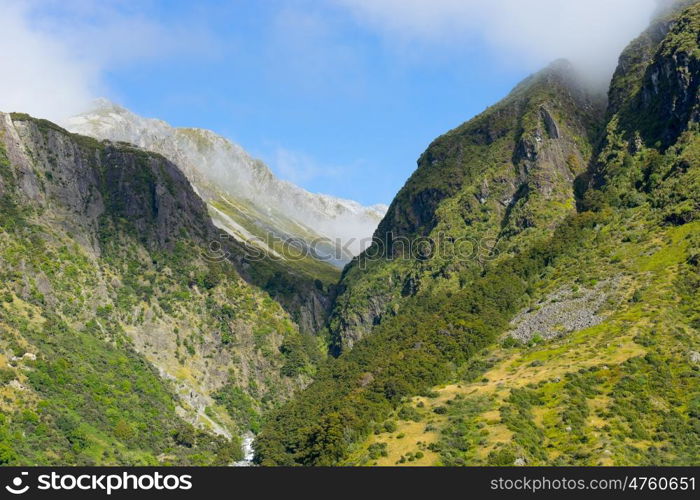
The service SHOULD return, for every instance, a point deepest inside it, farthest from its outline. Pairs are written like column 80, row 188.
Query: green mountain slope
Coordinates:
column 123, row 339
column 572, row 336
column 623, row 391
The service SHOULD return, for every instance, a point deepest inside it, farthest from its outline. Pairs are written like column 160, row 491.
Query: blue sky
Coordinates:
column 315, row 94
column 339, row 96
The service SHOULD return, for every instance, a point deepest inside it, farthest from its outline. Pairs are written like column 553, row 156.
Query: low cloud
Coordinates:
column 532, row 33
column 41, row 75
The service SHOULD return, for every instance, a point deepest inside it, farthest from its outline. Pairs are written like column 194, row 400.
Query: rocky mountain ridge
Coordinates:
column 494, row 182
column 244, row 196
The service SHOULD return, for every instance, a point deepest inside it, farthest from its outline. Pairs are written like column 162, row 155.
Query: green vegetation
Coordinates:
column 121, row 343
column 623, row 392
column 240, row 406
column 406, row 355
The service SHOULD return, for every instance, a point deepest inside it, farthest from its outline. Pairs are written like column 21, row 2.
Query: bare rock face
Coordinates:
column 147, row 190
column 656, row 88
column 563, row 312
column 357, row 324
column 671, row 89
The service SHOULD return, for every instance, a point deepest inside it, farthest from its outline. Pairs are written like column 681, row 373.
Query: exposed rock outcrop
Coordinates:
column 562, row 312
column 222, row 172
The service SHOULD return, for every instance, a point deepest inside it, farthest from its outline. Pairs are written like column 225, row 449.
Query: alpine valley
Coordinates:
column 530, row 297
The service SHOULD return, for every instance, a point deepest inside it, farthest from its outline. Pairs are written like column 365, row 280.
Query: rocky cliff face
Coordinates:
column 145, row 189
column 480, row 190
column 245, row 197
column 655, row 88
column 106, row 267
column 658, row 114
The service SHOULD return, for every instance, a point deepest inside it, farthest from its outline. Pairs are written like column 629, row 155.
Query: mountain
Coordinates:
column 480, row 191
column 547, row 309
column 244, row 196
column 531, row 296
column 123, row 338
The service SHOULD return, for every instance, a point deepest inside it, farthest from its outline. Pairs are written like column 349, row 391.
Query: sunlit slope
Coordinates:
column 623, row 392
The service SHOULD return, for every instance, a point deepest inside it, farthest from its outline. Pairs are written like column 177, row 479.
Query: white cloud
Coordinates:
column 54, row 54
column 40, row 75
column 591, row 33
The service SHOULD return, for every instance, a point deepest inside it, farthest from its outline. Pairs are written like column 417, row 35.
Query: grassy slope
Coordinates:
column 295, row 261
column 624, row 392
